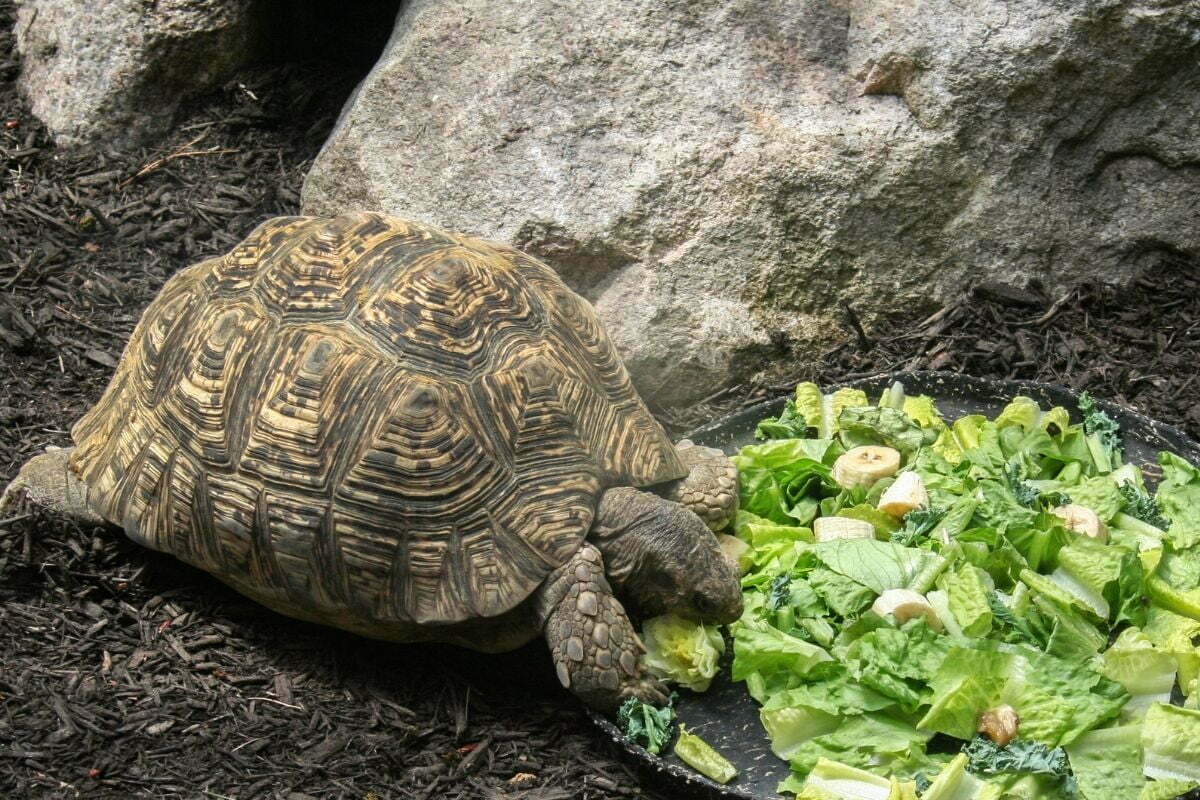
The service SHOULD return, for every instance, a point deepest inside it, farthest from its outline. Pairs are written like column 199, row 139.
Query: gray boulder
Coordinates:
column 116, row 71
column 720, row 178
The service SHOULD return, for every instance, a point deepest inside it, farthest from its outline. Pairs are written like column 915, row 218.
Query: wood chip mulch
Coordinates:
column 126, row 674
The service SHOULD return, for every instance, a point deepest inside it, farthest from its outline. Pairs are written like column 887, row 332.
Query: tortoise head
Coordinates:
column 661, row 558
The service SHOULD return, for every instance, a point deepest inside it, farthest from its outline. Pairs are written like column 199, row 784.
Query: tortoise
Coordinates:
column 414, row 435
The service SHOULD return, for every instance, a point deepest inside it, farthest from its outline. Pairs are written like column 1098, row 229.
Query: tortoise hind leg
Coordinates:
column 46, row 481
column 596, row 651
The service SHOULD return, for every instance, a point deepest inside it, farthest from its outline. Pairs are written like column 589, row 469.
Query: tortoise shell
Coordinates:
column 368, row 422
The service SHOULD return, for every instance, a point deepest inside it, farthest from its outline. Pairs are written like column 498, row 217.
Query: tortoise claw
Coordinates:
column 648, row 690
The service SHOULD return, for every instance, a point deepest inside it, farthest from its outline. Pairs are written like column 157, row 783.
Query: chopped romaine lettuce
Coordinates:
column 1075, row 635
column 700, row 756
column 1179, row 498
column 1171, row 742
column 682, row 651
column 1108, row 763
column 1147, row 673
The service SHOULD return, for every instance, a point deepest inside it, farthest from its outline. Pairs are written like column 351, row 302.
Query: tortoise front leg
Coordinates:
column 597, row 654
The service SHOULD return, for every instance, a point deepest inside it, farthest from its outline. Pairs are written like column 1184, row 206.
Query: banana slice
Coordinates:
column 827, row 529
column 903, row 605
column 1000, row 724
column 862, row 466
column 905, row 495
column 1082, row 519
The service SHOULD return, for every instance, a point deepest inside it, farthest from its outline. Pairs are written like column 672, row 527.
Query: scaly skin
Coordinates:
column 596, row 652
column 710, row 488
column 46, row 481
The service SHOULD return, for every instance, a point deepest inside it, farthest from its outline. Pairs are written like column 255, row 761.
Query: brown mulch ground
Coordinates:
column 125, row 674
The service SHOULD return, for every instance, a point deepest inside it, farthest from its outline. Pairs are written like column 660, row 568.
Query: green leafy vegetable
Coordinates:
column 790, row 424
column 646, row 725
column 889, row 427
column 968, row 591
column 918, row 523
column 1175, row 582
column 1142, row 506
column 881, row 565
column 1179, row 498
column 1108, row 763
column 700, row 756
column 985, row 757
column 783, row 480
column 1171, row 742
column 1104, row 434
column 682, row 651
column 1075, row 634
column 1147, row 673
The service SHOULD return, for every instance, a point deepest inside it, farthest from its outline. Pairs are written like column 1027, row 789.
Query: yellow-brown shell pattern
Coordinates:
column 368, row 422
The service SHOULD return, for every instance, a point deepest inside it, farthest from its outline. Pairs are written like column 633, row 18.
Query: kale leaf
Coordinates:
column 646, row 725
column 1142, row 506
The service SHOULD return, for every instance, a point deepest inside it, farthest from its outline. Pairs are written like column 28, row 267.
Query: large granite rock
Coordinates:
column 720, row 178
column 116, row 71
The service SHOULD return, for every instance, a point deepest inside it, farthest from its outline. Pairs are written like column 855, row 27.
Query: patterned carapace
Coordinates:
column 368, row 422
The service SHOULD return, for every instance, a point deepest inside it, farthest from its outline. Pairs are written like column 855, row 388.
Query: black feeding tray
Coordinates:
column 726, row 716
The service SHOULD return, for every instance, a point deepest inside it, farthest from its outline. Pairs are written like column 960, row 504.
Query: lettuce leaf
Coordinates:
column 1022, row 411
column 766, row 649
column 997, row 508
column 1147, row 673
column 1171, row 742
column 1180, row 637
column 821, row 411
column 1175, row 582
column 682, row 651
column 831, row 780
column 1108, row 763
column 1107, row 572
column 1101, row 494
column 863, row 740
column 881, row 565
column 790, row 424
column 1178, row 496
column 783, row 480
column 898, row 663
column 923, row 411
column 1165, row 790
column 968, row 592
column 954, row 782
column 888, row 427
column 967, row 682
column 844, row 596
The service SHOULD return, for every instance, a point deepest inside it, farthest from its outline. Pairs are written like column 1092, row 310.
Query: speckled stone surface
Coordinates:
column 726, row 716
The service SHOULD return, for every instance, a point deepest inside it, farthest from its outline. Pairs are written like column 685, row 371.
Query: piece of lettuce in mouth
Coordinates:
column 682, row 651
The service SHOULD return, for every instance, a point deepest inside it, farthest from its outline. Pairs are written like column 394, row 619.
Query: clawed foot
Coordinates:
column 648, row 690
